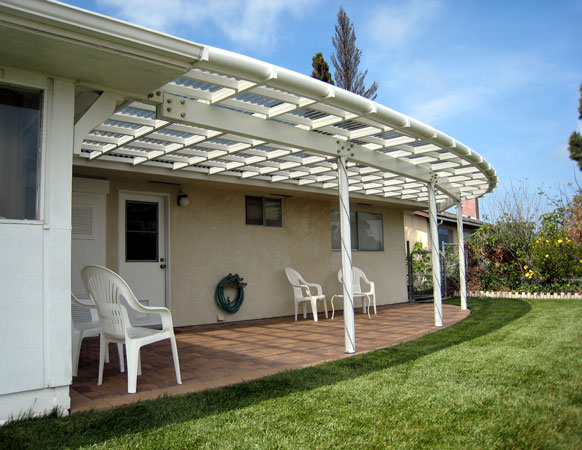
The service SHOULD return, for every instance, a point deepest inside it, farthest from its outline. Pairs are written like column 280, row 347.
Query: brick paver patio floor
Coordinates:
column 223, row 354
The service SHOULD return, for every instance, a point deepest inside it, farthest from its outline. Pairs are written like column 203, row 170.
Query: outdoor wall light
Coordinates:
column 183, row 200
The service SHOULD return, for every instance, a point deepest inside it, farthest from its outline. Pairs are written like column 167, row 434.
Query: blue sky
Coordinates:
column 500, row 76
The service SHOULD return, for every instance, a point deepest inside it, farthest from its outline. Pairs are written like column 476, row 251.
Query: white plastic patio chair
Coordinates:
column 85, row 323
column 303, row 293
column 107, row 290
column 368, row 292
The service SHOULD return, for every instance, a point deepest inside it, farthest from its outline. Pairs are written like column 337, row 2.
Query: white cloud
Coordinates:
column 444, row 106
column 391, row 26
column 247, row 24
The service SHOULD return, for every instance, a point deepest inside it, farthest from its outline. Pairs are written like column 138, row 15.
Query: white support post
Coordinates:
column 436, row 263
column 346, row 248
column 461, row 240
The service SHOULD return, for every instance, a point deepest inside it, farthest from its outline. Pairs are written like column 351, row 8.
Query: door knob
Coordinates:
column 162, row 266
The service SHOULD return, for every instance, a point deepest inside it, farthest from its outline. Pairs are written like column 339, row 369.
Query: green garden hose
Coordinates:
column 230, row 281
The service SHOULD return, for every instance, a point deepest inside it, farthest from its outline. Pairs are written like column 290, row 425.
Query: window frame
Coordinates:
column 355, row 230
column 264, row 199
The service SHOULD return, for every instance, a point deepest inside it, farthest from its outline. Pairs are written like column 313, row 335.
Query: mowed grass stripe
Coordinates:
column 509, row 376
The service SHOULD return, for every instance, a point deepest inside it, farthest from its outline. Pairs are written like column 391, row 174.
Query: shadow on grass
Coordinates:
column 84, row 429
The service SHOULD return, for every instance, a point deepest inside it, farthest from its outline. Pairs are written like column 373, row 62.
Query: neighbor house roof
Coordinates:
column 452, row 219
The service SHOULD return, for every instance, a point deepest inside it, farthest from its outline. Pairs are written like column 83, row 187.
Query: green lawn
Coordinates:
column 509, row 376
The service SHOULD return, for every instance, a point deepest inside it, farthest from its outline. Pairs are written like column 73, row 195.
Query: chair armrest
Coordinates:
column 316, row 286
column 371, row 285
column 84, row 304
column 165, row 314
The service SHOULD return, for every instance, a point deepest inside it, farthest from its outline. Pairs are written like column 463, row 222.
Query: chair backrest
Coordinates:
column 295, row 279
column 356, row 275
column 107, row 290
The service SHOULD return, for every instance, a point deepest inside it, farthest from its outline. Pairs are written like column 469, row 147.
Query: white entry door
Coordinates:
column 142, row 250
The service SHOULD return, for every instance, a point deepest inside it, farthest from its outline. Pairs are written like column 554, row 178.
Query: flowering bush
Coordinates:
column 520, row 255
column 554, row 258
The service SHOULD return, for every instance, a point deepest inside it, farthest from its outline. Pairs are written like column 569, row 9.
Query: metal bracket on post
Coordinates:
column 344, row 148
column 172, row 107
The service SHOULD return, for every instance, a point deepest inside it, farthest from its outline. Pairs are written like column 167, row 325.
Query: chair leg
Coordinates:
column 374, row 302
column 176, row 360
column 296, row 308
column 120, row 354
column 76, row 350
column 132, row 351
column 314, row 309
column 139, row 363
column 324, row 301
column 102, row 348
column 304, row 310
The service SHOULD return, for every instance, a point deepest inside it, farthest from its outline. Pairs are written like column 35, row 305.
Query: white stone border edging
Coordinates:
column 532, row 295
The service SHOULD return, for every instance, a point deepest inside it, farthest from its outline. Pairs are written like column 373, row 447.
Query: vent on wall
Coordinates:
column 82, row 222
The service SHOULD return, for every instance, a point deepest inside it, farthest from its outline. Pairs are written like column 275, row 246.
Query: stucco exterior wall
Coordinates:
column 416, row 229
column 209, row 239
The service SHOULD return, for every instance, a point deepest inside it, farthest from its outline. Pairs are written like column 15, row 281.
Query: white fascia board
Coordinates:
column 177, row 109
column 71, row 18
column 93, row 50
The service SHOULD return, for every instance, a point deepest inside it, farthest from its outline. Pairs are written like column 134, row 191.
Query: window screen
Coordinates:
column 20, row 116
column 263, row 211
column 366, row 231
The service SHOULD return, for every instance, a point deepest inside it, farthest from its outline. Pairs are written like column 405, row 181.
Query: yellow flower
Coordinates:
column 547, row 241
column 547, row 256
column 560, row 241
column 525, row 267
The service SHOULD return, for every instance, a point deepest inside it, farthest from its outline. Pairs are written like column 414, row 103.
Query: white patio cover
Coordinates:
column 237, row 117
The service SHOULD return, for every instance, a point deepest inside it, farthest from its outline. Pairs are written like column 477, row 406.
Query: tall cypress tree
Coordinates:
column 321, row 68
column 575, row 141
column 346, row 60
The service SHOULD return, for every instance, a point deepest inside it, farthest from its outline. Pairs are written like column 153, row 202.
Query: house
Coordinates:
column 416, row 225
column 174, row 164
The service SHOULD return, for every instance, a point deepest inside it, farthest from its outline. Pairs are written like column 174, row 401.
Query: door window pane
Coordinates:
column 20, row 114
column 141, row 232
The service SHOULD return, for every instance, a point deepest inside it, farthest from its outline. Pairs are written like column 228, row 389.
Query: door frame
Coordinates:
column 166, row 237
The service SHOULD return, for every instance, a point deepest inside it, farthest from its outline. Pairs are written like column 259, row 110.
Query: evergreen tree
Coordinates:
column 321, row 68
column 347, row 59
column 575, row 142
